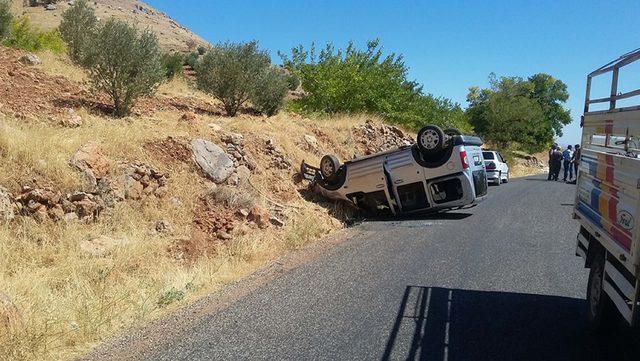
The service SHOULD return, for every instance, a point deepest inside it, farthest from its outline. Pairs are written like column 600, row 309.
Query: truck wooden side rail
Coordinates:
column 607, row 201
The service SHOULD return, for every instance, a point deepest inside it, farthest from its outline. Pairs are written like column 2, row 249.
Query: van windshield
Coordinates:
column 487, row 155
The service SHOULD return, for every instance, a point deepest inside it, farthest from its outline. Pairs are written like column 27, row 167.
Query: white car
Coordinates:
column 496, row 167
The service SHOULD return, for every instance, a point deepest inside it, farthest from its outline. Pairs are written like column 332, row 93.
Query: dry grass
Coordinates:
column 60, row 64
column 70, row 300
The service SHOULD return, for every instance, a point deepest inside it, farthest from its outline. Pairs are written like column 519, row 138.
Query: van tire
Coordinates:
column 431, row 140
column 602, row 314
column 329, row 165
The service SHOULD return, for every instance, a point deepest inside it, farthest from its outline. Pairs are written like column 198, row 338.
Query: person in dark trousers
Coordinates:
column 575, row 163
column 556, row 161
column 553, row 148
column 576, row 159
column 567, row 156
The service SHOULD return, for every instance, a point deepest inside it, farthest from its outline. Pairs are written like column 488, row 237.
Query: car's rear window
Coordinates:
column 487, row 155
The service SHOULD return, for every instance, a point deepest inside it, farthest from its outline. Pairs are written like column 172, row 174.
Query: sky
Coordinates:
column 448, row 45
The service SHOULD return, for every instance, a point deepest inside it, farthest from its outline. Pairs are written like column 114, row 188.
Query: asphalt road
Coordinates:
column 497, row 282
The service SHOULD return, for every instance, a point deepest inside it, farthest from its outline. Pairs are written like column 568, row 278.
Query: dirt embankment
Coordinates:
column 30, row 92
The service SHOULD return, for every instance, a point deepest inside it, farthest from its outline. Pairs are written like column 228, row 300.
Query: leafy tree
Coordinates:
column 270, row 90
column 354, row 81
column 201, row 50
column 6, row 19
column 172, row 63
column 77, row 27
column 527, row 113
column 551, row 93
column 230, row 72
column 124, row 63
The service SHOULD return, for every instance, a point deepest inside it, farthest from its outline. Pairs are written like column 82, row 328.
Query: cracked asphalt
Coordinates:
column 496, row 282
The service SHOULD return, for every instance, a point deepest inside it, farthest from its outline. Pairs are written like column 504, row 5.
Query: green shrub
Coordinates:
column 172, row 64
column 170, row 296
column 230, row 72
column 77, row 27
column 6, row 19
column 201, row 50
column 23, row 36
column 293, row 82
column 269, row 91
column 124, row 63
column 366, row 81
column 192, row 59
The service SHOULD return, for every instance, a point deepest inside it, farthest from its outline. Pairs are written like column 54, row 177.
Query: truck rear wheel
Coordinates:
column 601, row 312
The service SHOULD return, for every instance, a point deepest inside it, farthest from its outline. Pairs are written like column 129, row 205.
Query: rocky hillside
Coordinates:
column 173, row 36
column 106, row 223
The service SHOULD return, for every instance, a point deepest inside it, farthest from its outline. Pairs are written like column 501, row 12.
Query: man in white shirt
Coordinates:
column 567, row 155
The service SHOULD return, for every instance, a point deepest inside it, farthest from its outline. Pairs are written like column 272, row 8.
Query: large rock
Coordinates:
column 212, row 159
column 311, row 140
column 30, row 59
column 90, row 157
column 6, row 206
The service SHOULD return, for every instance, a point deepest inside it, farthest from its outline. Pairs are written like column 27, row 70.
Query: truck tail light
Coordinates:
column 463, row 158
column 491, row 165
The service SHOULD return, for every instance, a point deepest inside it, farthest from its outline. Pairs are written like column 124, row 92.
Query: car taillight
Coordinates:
column 491, row 165
column 463, row 158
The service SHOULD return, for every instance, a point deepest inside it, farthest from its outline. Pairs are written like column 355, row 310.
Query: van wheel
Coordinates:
column 506, row 180
column 329, row 165
column 601, row 312
column 431, row 140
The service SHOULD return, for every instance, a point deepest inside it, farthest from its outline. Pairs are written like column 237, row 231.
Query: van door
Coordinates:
column 406, row 181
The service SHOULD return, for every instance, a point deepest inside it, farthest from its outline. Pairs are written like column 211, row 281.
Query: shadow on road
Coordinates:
column 420, row 216
column 450, row 324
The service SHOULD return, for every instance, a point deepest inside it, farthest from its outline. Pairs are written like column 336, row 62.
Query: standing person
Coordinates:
column 556, row 161
column 553, row 148
column 576, row 159
column 567, row 155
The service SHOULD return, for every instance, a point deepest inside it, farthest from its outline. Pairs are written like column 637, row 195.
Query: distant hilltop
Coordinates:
column 172, row 35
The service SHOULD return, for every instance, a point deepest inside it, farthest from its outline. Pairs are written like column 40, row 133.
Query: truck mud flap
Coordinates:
column 620, row 290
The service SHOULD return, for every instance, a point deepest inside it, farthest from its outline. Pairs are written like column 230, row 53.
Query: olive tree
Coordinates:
column 230, row 72
column 270, row 90
column 77, row 27
column 124, row 63
column 5, row 19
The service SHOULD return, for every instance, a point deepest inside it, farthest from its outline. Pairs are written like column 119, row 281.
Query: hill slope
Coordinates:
column 173, row 36
column 85, row 254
